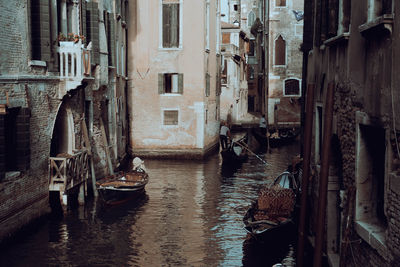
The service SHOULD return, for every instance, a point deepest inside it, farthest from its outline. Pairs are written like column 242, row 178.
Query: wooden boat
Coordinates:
column 234, row 154
column 122, row 187
column 272, row 215
column 277, row 138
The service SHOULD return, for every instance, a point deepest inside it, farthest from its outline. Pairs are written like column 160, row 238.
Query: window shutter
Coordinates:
column 175, row 25
column 166, row 25
column 2, row 147
column 83, row 20
column 40, row 30
column 180, row 83
column 23, row 139
column 170, row 117
column 207, row 84
column 111, row 41
column 333, row 18
column 160, row 83
column 92, row 28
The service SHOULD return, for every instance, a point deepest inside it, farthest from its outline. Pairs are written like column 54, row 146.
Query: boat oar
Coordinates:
column 245, row 147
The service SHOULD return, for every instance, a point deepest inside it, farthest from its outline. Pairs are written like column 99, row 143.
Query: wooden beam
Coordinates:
column 89, row 149
column 106, row 147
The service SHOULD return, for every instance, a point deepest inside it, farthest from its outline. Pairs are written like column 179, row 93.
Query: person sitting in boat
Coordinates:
column 224, row 133
column 138, row 165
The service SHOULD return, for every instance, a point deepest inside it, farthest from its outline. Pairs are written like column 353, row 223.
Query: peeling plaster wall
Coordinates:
column 147, row 60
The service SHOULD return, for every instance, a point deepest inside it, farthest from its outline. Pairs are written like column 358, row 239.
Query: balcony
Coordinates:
column 74, row 65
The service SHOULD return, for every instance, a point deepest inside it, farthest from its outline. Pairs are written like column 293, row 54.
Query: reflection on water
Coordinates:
column 191, row 215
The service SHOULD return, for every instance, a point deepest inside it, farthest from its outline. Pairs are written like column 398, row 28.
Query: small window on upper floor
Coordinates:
column 170, row 83
column 280, row 3
column 236, row 7
column 292, row 87
column 170, row 24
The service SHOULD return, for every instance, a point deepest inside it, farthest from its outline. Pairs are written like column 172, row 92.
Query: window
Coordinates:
column 280, row 51
column 207, row 84
column 377, row 8
column 251, row 47
column 280, row 3
column 292, row 87
column 170, row 23
column 171, row 117
column 170, row 83
column 15, row 131
column 250, row 73
column 251, row 18
column 224, row 72
column 235, row 7
column 370, row 179
column 40, row 30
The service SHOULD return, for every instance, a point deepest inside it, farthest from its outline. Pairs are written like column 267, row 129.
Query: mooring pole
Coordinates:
column 308, row 125
column 323, row 183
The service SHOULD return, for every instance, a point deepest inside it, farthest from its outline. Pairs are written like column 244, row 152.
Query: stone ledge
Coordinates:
column 378, row 26
column 374, row 235
column 344, row 37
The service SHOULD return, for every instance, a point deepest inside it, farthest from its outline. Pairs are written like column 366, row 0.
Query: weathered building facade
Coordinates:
column 174, row 81
column 284, row 69
column 62, row 69
column 234, row 90
column 351, row 47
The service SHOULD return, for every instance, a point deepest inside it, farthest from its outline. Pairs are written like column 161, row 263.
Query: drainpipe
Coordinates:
column 323, row 183
column 306, row 173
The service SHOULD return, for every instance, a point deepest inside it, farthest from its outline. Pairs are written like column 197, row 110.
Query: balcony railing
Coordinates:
column 67, row 171
column 74, row 64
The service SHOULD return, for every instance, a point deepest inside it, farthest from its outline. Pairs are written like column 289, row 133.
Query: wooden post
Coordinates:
column 323, row 182
column 89, row 148
column 107, row 149
column 306, row 173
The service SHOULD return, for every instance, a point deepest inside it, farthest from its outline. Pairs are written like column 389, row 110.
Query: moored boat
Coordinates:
column 272, row 215
column 123, row 186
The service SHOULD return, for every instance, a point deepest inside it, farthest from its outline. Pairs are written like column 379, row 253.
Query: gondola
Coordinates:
column 234, row 154
column 277, row 138
column 272, row 216
column 122, row 187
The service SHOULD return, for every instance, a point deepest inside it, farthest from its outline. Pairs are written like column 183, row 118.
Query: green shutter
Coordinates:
column 83, row 21
column 166, row 17
column 45, row 43
column 92, row 28
column 111, row 40
column 174, row 25
column 40, row 30
column 160, row 83
column 207, row 84
column 180, row 83
column 23, row 139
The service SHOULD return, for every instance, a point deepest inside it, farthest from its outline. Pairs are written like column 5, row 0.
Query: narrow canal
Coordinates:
column 191, row 215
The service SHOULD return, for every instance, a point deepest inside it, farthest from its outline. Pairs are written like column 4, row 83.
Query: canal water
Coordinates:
column 190, row 215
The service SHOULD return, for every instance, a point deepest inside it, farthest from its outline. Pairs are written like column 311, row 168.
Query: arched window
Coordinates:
column 251, row 18
column 280, row 51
